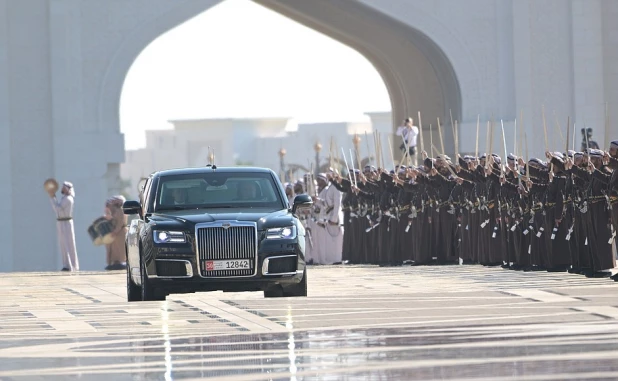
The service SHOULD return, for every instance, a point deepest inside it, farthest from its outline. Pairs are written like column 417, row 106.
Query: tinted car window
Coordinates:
column 212, row 190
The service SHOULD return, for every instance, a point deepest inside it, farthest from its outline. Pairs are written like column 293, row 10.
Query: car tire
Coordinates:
column 148, row 291
column 298, row 289
column 274, row 292
column 134, row 292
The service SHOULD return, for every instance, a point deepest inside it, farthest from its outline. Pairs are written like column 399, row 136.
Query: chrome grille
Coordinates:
column 233, row 242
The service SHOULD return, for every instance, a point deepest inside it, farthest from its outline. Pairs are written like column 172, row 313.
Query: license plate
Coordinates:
column 233, row 264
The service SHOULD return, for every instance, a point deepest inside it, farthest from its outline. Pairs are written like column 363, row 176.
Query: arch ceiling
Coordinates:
column 416, row 72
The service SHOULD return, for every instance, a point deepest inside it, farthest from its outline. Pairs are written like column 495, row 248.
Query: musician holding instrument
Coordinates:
column 116, row 249
column 64, row 222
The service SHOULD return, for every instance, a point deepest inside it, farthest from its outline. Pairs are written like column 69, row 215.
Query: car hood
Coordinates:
column 188, row 218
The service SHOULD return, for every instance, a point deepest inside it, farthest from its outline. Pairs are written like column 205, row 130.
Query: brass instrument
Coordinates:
column 51, row 186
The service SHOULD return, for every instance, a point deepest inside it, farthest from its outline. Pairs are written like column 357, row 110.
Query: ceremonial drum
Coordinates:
column 93, row 235
column 105, row 229
column 101, row 231
column 92, row 232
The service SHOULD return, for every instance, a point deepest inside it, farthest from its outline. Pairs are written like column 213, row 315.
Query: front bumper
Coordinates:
column 279, row 262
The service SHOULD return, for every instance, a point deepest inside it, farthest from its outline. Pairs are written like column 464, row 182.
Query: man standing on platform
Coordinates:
column 409, row 133
column 329, row 232
column 64, row 224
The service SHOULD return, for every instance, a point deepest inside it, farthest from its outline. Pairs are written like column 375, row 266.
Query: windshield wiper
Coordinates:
column 214, row 207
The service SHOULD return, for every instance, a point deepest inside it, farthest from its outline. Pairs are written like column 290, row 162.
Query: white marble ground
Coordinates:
column 358, row 323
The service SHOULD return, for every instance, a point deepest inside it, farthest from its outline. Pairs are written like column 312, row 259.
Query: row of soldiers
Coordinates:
column 558, row 214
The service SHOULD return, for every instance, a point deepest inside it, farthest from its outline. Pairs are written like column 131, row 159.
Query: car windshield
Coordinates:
column 218, row 190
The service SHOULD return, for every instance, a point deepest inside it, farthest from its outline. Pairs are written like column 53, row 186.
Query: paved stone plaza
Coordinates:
column 358, row 323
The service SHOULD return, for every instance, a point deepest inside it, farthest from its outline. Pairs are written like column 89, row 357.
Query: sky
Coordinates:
column 238, row 60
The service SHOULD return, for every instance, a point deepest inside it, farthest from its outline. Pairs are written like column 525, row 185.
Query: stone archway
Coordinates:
column 417, row 73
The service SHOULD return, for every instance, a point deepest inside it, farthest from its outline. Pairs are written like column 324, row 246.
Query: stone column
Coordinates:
column 6, row 191
column 27, row 133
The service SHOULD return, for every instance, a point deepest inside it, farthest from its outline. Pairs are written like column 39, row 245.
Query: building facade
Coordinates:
column 249, row 141
column 63, row 65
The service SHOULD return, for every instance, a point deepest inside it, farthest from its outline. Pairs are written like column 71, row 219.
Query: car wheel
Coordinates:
column 148, row 291
column 298, row 289
column 134, row 292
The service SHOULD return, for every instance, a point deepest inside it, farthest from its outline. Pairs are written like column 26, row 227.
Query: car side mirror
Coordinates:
column 131, row 207
column 301, row 202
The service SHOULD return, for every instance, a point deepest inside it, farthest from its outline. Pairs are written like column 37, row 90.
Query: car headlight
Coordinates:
column 166, row 236
column 288, row 232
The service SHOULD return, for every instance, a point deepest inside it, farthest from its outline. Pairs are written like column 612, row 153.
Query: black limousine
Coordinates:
column 209, row 229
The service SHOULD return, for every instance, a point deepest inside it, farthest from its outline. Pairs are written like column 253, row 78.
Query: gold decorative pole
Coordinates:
column 282, row 153
column 369, row 162
column 356, row 141
column 317, row 148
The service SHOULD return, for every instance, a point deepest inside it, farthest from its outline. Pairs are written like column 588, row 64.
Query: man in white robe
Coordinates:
column 409, row 134
column 328, row 222
column 64, row 226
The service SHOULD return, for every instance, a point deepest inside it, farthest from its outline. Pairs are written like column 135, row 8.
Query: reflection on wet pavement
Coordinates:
column 563, row 329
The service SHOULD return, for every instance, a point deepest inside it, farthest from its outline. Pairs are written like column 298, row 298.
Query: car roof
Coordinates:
column 208, row 169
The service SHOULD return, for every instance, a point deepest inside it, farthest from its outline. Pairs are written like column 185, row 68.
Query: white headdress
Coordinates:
column 70, row 188
column 117, row 201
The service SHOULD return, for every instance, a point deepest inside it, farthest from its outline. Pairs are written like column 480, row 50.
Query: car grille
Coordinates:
column 234, row 242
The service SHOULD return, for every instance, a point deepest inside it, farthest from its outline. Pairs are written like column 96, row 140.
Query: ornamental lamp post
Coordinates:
column 282, row 153
column 317, row 147
column 356, row 141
